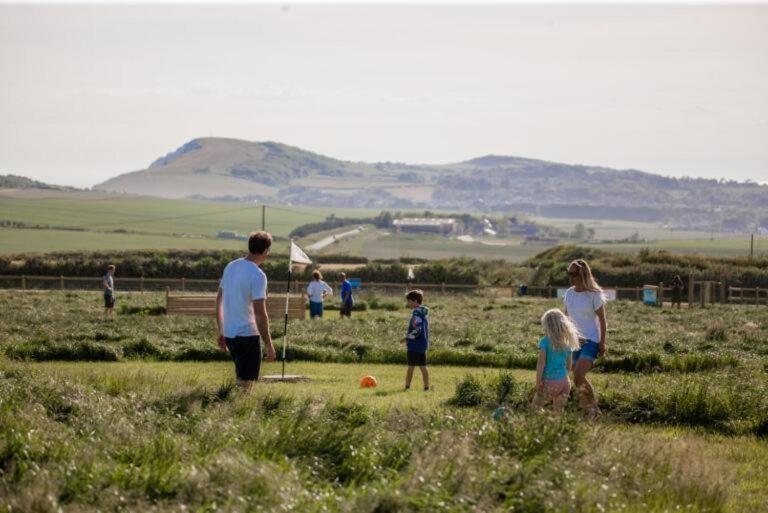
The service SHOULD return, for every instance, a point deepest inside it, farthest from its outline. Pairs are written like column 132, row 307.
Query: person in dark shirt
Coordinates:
column 417, row 338
column 677, row 291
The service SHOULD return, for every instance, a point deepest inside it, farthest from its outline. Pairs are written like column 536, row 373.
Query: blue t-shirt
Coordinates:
column 346, row 292
column 555, row 367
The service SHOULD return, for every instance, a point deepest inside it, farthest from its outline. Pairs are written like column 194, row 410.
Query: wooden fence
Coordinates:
column 754, row 296
column 698, row 291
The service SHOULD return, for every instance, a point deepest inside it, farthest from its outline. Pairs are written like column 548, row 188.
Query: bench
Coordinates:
column 205, row 304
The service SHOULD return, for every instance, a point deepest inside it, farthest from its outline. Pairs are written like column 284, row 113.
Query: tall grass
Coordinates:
column 66, row 444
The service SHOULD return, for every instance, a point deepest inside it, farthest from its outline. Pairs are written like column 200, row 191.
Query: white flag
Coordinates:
column 298, row 256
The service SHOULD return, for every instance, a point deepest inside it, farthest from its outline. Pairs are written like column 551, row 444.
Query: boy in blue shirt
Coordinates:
column 345, row 310
column 417, row 338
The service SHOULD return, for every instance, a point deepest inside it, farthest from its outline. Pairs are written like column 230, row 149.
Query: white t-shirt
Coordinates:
column 315, row 290
column 581, row 308
column 242, row 283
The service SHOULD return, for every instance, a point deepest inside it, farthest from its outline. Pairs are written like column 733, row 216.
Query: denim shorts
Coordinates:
column 315, row 309
column 587, row 351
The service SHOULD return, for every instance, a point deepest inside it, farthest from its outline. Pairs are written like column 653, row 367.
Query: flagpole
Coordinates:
column 287, row 296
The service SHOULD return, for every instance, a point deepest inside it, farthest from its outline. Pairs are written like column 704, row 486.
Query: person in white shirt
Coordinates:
column 317, row 290
column 585, row 305
column 241, row 311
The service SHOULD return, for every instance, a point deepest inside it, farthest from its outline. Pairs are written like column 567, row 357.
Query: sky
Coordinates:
column 91, row 91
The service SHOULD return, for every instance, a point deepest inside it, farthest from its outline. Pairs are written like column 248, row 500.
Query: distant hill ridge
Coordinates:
column 22, row 182
column 232, row 169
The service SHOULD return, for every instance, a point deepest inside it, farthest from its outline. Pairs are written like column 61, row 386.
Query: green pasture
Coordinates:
column 159, row 221
column 25, row 241
column 723, row 247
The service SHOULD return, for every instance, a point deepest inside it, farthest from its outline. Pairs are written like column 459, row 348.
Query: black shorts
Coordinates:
column 416, row 359
column 246, row 353
column 346, row 309
column 109, row 300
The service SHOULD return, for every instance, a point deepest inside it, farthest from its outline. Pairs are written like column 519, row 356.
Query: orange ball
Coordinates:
column 368, row 382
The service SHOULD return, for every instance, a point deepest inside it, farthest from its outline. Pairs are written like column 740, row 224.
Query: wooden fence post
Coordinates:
column 442, row 288
column 183, row 284
column 141, row 284
column 723, row 295
column 661, row 294
column 757, row 295
column 23, row 282
column 637, row 293
column 61, row 281
column 691, row 287
column 549, row 291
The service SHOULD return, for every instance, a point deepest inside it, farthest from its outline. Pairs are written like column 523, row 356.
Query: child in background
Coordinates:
column 417, row 338
column 555, row 353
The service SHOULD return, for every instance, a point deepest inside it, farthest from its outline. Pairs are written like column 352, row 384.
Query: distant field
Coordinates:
column 164, row 223
column 606, row 229
column 722, row 247
column 376, row 244
column 185, row 224
column 162, row 215
column 23, row 241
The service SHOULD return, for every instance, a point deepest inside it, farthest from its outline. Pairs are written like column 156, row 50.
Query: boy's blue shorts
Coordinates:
column 588, row 351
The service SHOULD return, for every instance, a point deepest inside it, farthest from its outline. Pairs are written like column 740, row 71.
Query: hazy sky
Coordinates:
column 88, row 92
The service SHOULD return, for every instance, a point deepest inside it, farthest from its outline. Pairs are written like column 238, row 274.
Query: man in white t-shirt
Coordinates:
column 241, row 311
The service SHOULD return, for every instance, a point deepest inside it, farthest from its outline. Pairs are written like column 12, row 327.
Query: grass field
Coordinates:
column 684, row 398
column 382, row 244
column 184, row 224
column 161, row 222
column 719, row 247
column 23, row 241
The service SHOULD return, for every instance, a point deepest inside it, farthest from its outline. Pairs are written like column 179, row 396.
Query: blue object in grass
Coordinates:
column 499, row 412
column 355, row 282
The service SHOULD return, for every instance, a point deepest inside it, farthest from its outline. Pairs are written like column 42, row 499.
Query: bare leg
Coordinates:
column 425, row 377
column 408, row 376
column 244, row 385
column 559, row 402
column 584, row 390
column 540, row 399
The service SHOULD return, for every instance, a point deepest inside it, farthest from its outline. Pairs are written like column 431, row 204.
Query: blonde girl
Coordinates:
column 555, row 352
column 584, row 304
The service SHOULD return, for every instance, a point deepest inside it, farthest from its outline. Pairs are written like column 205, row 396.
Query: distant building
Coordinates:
column 523, row 230
column 445, row 226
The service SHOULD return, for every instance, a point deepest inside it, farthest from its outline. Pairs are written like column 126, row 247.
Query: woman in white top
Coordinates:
column 317, row 290
column 584, row 304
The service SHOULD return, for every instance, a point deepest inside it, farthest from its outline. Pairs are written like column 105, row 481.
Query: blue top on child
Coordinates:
column 556, row 366
column 418, row 330
column 346, row 293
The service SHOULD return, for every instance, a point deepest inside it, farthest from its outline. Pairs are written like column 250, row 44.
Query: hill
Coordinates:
column 229, row 169
column 22, row 182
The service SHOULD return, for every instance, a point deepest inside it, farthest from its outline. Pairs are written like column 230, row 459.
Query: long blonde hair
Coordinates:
column 588, row 280
column 560, row 330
